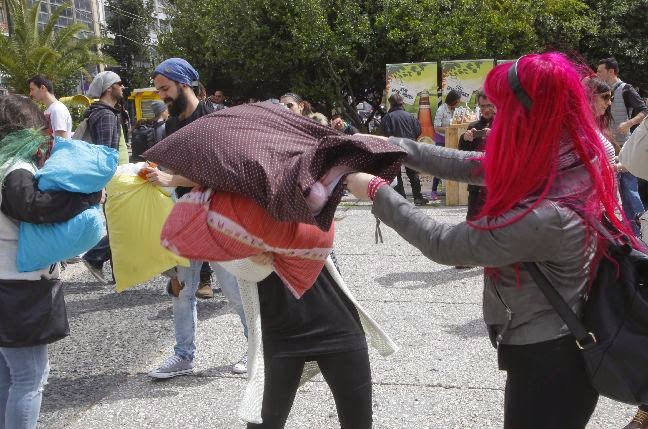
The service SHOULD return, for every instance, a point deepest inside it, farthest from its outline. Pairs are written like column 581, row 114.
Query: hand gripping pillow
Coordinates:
column 221, row 226
column 77, row 166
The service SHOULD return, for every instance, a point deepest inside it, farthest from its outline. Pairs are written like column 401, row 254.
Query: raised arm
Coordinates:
column 452, row 164
column 535, row 237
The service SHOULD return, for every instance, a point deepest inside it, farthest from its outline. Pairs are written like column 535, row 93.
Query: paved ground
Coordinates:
column 444, row 376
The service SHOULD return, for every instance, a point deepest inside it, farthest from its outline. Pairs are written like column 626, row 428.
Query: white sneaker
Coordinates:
column 240, row 367
column 173, row 367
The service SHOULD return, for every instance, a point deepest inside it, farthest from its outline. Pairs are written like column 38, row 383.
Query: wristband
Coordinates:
column 375, row 184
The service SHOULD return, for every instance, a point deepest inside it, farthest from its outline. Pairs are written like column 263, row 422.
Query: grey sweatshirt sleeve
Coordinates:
column 536, row 237
column 460, row 166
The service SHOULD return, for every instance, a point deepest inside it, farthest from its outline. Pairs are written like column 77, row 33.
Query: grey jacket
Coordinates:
column 515, row 310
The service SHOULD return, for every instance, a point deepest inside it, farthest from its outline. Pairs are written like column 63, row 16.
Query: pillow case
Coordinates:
column 77, row 166
column 273, row 156
column 222, row 226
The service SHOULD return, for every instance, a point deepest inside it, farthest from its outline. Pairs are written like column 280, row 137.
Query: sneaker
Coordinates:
column 173, row 367
column 240, row 367
column 434, row 196
column 96, row 272
column 205, row 290
column 639, row 421
column 421, row 201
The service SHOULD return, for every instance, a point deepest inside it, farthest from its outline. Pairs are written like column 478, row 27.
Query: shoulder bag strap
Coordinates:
column 584, row 338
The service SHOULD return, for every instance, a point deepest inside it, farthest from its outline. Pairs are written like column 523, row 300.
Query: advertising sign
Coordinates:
column 465, row 77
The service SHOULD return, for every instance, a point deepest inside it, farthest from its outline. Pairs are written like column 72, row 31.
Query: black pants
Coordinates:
column 347, row 374
column 415, row 183
column 642, row 186
column 99, row 254
column 546, row 386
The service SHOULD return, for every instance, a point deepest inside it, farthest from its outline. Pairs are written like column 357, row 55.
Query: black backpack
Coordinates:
column 143, row 138
column 613, row 333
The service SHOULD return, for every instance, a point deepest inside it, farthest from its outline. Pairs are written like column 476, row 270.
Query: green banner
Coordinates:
column 466, row 77
column 417, row 84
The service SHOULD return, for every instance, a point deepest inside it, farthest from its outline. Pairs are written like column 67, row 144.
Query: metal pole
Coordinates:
column 97, row 29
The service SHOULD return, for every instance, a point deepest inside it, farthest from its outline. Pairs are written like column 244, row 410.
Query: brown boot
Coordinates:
column 174, row 287
column 205, row 288
column 639, row 421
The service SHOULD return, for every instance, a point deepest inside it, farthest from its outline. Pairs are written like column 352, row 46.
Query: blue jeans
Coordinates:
column 185, row 314
column 23, row 375
column 436, row 180
column 630, row 200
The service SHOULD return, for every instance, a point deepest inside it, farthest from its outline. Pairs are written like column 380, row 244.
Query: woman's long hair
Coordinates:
column 593, row 88
column 523, row 150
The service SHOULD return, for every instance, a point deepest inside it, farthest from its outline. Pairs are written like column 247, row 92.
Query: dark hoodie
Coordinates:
column 103, row 122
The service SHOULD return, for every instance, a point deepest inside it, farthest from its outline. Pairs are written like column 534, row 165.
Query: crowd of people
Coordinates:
column 537, row 193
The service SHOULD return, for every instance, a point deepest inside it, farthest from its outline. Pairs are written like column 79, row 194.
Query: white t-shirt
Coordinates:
column 59, row 117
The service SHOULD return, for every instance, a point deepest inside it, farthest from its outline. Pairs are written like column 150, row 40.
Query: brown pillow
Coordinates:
column 266, row 152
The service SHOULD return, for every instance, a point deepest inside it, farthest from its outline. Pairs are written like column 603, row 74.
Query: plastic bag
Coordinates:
column 73, row 166
column 77, row 166
column 44, row 244
column 135, row 212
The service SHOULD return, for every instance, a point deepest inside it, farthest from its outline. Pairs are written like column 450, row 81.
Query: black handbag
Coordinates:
column 613, row 333
column 32, row 313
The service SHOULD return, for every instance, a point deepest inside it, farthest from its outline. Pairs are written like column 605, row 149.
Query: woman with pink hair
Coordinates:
column 549, row 186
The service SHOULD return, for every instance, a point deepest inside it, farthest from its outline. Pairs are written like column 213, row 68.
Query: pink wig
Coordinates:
column 522, row 150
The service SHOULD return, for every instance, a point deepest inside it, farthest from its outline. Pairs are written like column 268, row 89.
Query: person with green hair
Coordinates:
column 24, row 367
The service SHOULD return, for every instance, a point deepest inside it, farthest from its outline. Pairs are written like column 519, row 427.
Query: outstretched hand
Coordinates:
column 357, row 184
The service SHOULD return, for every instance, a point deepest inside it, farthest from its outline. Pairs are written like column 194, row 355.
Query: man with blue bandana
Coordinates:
column 175, row 80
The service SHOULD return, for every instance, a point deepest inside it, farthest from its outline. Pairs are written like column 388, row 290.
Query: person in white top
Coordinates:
column 42, row 90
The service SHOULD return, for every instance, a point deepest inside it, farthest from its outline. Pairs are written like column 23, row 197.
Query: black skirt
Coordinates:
column 322, row 321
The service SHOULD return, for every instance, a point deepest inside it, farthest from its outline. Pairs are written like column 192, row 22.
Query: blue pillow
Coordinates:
column 77, row 166
column 39, row 246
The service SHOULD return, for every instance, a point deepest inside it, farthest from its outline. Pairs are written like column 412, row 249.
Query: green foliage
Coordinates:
column 129, row 21
column 334, row 52
column 57, row 54
column 76, row 112
column 620, row 31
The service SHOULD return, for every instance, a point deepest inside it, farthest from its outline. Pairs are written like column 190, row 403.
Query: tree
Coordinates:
column 55, row 53
column 130, row 21
column 620, row 31
column 334, row 52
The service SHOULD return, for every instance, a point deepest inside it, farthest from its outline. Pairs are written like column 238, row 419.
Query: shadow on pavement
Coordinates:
column 111, row 301
column 74, row 392
column 473, row 329
column 427, row 279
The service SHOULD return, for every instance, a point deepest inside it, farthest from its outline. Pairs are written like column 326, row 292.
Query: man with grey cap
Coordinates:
column 175, row 80
column 103, row 122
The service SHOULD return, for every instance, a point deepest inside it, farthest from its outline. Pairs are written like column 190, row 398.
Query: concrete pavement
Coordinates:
column 444, row 376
